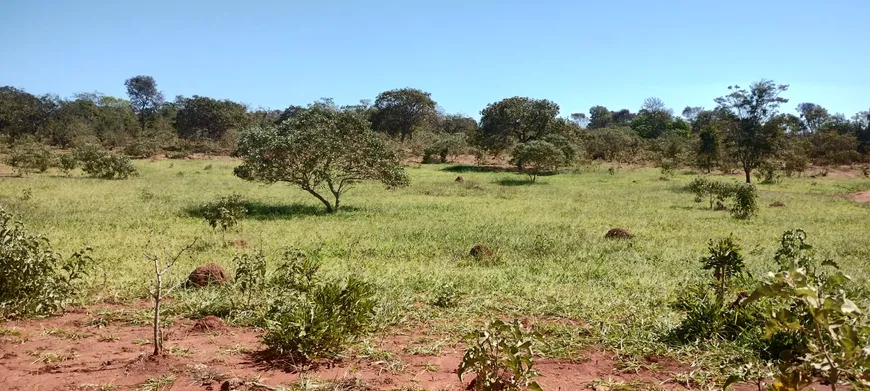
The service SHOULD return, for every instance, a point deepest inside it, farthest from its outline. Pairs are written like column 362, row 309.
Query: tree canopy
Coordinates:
column 515, row 120
column 401, row 111
column 320, row 148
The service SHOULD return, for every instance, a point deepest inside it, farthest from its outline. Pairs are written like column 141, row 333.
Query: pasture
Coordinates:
column 551, row 259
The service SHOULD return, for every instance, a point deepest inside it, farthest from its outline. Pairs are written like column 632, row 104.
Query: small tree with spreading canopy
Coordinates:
column 321, row 146
column 535, row 157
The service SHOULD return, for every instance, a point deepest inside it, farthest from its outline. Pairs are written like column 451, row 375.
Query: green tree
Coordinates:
column 536, row 157
column 653, row 119
column 203, row 117
column 321, row 146
column 813, row 116
column 755, row 135
column 145, row 99
column 401, row 111
column 599, row 117
column 514, row 120
column 456, row 124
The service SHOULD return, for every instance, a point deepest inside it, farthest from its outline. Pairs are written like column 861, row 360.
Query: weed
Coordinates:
column 501, row 355
column 160, row 383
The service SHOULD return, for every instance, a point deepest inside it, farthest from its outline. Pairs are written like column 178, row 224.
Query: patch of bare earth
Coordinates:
column 862, row 196
column 116, row 355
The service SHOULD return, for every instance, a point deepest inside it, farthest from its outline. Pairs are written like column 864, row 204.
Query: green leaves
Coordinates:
column 501, row 354
column 319, row 148
column 34, row 280
column 535, row 157
column 224, row 212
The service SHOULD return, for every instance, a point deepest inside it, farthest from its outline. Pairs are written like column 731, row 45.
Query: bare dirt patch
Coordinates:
column 116, row 355
column 861, row 196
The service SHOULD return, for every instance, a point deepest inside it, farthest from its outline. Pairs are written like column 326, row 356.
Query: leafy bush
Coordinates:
column 446, row 297
column 68, row 162
column 141, row 149
column 100, row 163
column 34, row 280
column 717, row 192
column 501, row 355
column 29, row 156
column 725, row 261
column 837, row 331
column 743, row 195
column 745, row 201
column 311, row 319
column 224, row 212
column 766, row 173
column 536, row 157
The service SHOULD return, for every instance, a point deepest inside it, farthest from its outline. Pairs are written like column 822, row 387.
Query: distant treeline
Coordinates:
column 744, row 130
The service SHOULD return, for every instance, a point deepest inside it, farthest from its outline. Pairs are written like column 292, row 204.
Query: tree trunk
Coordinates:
column 748, row 171
column 329, row 208
column 158, row 343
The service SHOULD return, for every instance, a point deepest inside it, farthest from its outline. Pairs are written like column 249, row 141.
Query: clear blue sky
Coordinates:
column 466, row 53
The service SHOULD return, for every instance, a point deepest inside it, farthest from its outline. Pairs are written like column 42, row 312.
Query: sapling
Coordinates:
column 158, row 293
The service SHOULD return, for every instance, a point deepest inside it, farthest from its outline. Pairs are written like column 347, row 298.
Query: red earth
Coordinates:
column 94, row 347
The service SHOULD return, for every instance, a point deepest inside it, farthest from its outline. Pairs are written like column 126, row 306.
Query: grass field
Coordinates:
column 411, row 242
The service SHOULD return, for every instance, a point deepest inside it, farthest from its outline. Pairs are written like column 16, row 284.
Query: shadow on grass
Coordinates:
column 463, row 168
column 514, row 182
column 262, row 211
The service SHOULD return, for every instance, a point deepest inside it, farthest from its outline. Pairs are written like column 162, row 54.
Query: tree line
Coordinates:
column 745, row 130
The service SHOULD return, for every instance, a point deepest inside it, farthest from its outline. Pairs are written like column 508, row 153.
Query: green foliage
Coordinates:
column 141, row 148
column 320, row 146
column 715, row 191
column 203, row 117
column 514, row 120
column 619, row 144
column 536, row 157
column 745, row 203
column 311, row 319
column 34, row 280
column 445, row 145
column 224, row 212
column 30, row 156
column 100, row 163
column 754, row 135
column 401, row 111
column 767, row 173
column 446, row 296
column 743, row 195
column 501, row 355
column 725, row 261
column 837, row 330
column 68, row 163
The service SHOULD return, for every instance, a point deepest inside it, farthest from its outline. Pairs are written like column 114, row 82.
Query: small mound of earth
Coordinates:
column 209, row 323
column 480, row 251
column 459, row 179
column 777, row 204
column 617, row 233
column 209, row 274
column 863, row 196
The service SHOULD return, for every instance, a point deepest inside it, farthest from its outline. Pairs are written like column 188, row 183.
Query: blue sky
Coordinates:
column 466, row 53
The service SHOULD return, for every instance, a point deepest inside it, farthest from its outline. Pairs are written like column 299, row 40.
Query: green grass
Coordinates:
column 411, row 242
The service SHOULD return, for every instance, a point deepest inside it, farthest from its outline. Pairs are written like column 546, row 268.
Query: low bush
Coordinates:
column 35, row 280
column 744, row 196
column 224, row 212
column 309, row 318
column 501, row 355
column 100, row 163
column 27, row 157
column 141, row 149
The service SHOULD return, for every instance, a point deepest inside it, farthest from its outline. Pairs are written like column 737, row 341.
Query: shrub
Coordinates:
column 766, row 173
column 321, row 322
column 29, row 156
column 446, row 297
column 833, row 325
column 725, row 261
column 68, row 163
column 717, row 192
column 99, row 163
column 310, row 319
column 501, row 355
column 745, row 201
column 141, row 149
column 536, row 157
column 224, row 212
column 34, row 280
column 250, row 274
